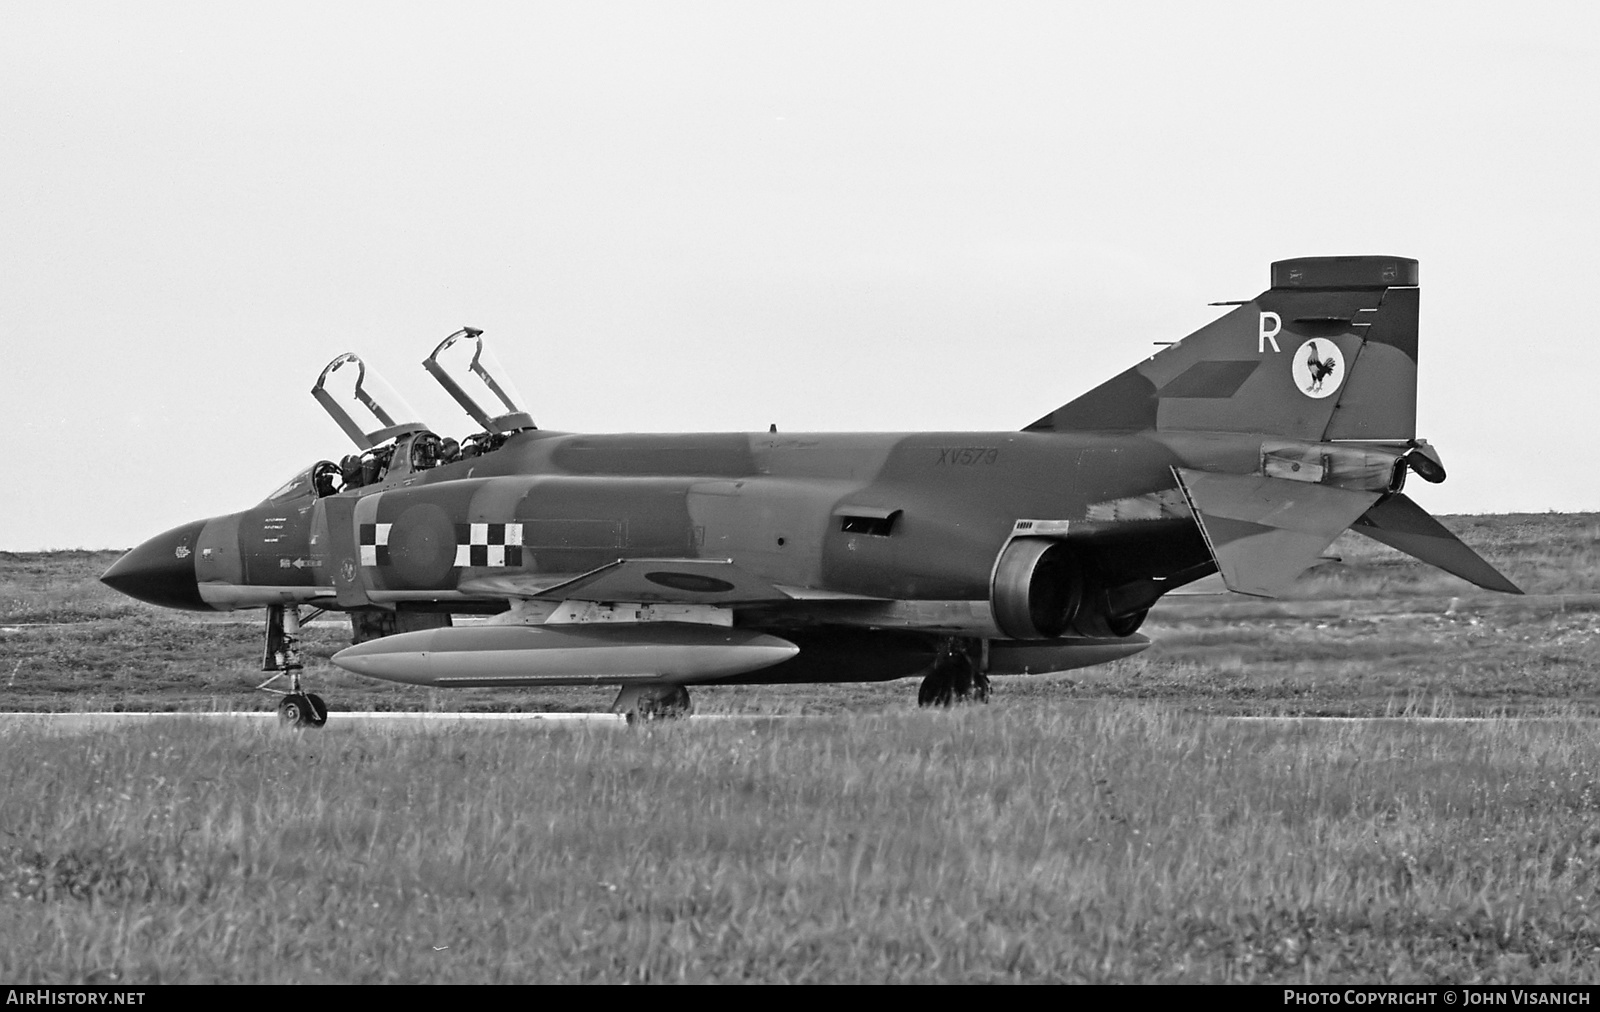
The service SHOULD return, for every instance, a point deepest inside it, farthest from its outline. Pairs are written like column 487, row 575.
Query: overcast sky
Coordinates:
column 715, row 216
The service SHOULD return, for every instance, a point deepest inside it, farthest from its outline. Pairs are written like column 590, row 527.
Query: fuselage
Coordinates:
column 887, row 515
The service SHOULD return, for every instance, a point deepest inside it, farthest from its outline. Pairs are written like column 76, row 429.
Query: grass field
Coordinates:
column 1105, row 842
column 1103, row 825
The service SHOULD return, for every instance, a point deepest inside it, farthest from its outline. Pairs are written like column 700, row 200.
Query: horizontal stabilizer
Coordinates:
column 1263, row 532
column 1403, row 525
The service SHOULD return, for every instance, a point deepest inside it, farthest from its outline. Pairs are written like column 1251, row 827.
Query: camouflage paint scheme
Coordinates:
column 1245, row 448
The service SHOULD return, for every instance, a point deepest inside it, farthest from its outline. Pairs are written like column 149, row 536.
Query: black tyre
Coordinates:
column 665, row 704
column 317, row 710
column 935, row 690
column 980, row 688
column 292, row 711
column 954, row 679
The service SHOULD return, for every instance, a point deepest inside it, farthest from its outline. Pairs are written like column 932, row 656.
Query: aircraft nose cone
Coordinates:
column 161, row 571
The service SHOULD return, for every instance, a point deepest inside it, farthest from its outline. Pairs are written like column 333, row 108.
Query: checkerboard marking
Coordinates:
column 485, row 545
column 489, row 545
column 375, row 544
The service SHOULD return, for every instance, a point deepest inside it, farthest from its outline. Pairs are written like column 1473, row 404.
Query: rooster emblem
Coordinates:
column 1320, row 368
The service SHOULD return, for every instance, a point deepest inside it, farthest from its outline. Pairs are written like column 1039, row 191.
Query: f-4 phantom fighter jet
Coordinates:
column 655, row 562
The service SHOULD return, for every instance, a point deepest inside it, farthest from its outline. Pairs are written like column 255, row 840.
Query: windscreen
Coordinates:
column 294, row 488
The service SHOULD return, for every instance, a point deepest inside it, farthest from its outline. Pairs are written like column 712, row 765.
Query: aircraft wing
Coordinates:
column 1263, row 532
column 647, row 581
column 1403, row 525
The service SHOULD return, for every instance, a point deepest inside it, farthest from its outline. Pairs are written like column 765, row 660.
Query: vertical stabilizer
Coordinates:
column 1328, row 352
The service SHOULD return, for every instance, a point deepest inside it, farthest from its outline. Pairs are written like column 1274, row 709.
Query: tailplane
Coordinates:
column 1401, row 524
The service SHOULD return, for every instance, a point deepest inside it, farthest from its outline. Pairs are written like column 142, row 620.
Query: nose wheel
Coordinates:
column 302, row 709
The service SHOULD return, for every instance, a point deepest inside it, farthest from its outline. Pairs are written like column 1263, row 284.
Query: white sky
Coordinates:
column 712, row 216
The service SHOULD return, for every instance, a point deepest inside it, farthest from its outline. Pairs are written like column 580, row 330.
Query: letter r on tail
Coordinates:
column 1266, row 334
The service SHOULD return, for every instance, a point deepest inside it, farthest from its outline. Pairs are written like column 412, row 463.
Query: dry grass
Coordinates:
column 1112, row 842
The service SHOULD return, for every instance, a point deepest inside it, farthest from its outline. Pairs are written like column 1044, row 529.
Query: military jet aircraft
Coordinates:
column 654, row 562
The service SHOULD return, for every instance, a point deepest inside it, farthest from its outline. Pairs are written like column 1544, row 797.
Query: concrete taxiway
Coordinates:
column 96, row 721
column 78, row 722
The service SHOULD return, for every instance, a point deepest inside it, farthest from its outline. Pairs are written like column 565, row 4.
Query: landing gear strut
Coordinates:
column 957, row 675
column 282, row 657
column 652, row 702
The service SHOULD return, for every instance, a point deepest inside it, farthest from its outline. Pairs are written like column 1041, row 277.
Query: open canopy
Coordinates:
column 471, row 374
column 365, row 407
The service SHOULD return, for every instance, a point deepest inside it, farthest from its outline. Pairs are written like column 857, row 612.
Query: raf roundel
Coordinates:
column 1318, row 368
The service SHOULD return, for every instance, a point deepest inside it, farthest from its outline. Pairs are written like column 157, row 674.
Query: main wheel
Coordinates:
column 665, row 704
column 652, row 702
column 935, row 690
column 979, row 692
column 954, row 679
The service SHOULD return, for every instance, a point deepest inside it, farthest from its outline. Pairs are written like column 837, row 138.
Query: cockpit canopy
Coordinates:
column 365, row 407
column 391, row 441
column 471, row 374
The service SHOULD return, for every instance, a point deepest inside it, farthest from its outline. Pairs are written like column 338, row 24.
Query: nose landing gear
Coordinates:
column 298, row 708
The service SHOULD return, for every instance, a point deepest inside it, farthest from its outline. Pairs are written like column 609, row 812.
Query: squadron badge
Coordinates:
column 1318, row 368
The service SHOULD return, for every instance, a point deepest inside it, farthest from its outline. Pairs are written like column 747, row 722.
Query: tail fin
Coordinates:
column 1323, row 366
column 1328, row 352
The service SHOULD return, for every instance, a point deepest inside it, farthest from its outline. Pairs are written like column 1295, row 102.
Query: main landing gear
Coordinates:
column 957, row 675
column 298, row 708
column 652, row 702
